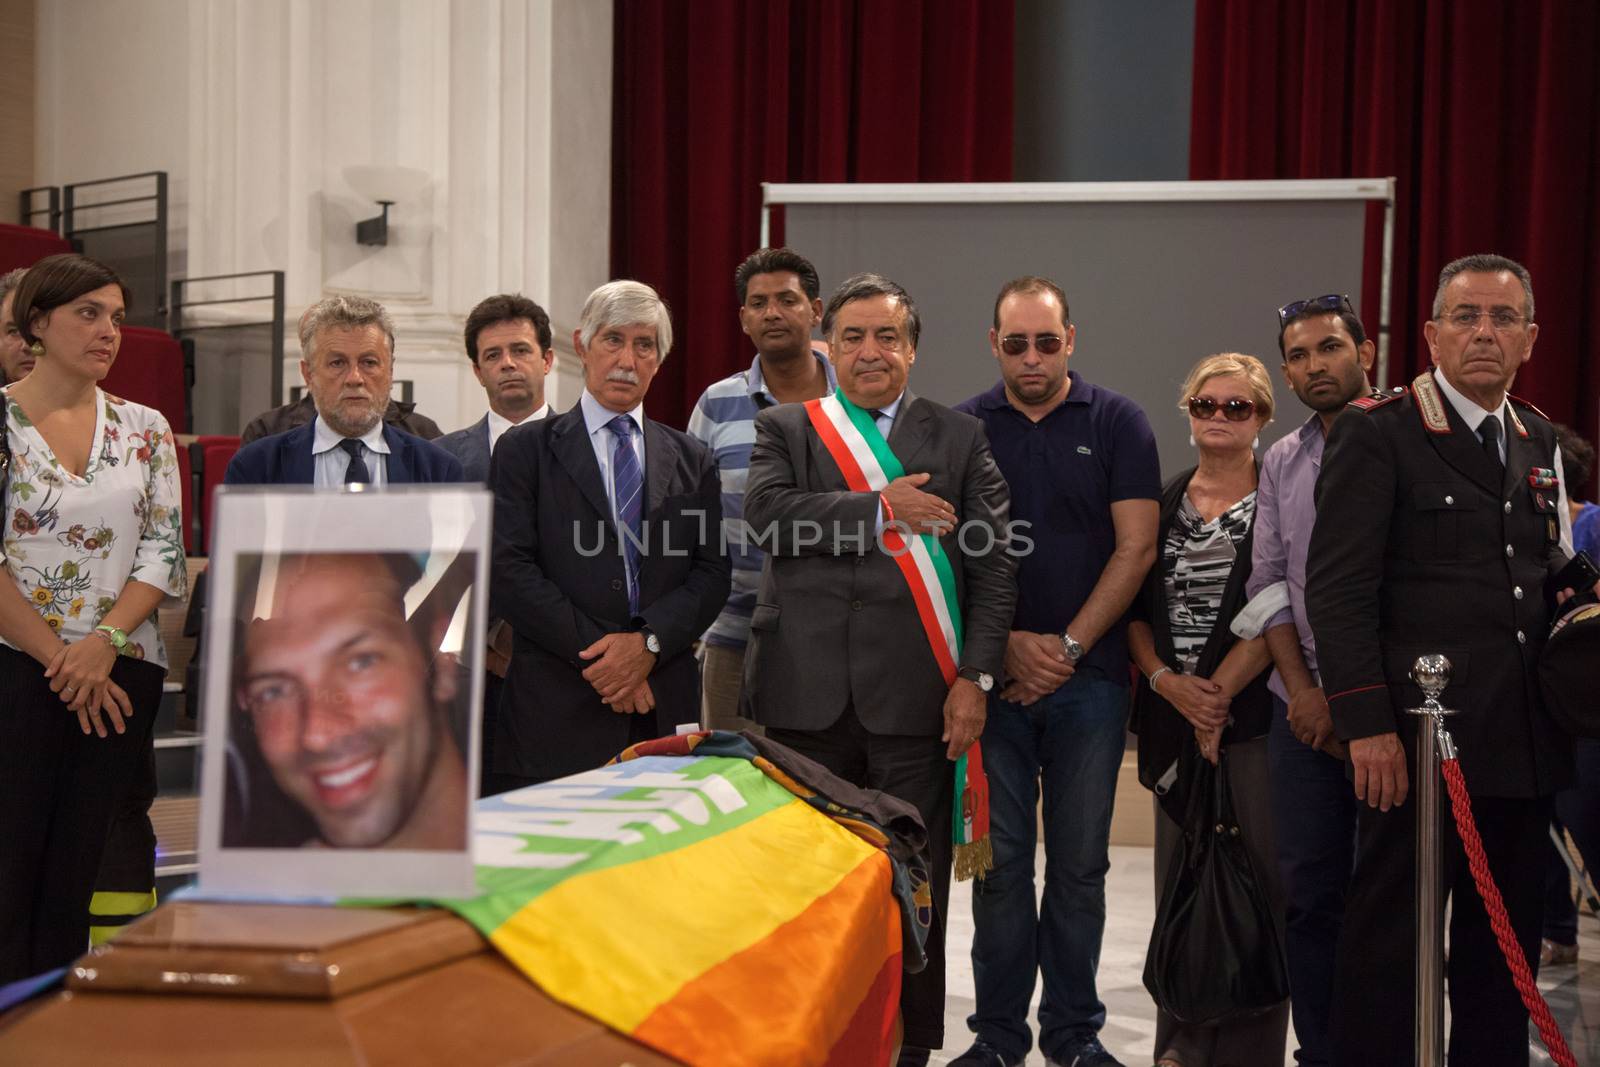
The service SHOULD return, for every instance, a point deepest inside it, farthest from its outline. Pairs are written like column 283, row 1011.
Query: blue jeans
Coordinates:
column 1314, row 820
column 1072, row 742
column 1578, row 813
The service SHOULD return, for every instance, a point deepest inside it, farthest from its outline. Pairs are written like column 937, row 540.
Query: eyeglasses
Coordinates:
column 1015, row 344
column 1236, row 410
column 1468, row 318
column 1327, row 302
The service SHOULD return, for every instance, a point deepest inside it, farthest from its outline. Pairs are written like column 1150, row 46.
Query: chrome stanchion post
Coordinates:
column 1432, row 674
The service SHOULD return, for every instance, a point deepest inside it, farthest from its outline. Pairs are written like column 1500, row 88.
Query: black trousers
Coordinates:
column 491, row 783
column 640, row 728
column 915, row 770
column 1374, row 1009
column 125, row 888
column 58, row 792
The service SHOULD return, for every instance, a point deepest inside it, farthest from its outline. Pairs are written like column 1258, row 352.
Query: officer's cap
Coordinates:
column 1569, row 669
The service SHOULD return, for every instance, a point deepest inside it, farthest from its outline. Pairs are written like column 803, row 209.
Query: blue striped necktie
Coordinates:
column 627, row 486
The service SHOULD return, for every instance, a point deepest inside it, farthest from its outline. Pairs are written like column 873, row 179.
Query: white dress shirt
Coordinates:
column 499, row 424
column 330, row 461
column 884, row 420
column 1473, row 416
column 886, row 415
column 596, row 418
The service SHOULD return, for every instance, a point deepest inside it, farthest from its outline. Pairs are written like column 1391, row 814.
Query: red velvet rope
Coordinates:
column 1461, row 807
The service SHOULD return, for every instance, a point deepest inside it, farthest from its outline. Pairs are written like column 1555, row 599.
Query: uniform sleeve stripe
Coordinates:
column 1359, row 689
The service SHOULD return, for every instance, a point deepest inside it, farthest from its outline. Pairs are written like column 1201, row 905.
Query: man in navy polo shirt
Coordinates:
column 1081, row 463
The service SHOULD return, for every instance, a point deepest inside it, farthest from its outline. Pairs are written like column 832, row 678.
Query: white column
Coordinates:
column 505, row 104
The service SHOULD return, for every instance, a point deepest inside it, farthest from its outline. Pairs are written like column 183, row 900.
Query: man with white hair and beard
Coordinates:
column 608, row 562
column 348, row 367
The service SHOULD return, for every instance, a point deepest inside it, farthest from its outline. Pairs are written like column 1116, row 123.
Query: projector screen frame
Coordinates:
column 777, row 194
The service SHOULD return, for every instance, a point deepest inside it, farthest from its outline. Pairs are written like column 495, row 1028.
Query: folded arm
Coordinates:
column 787, row 520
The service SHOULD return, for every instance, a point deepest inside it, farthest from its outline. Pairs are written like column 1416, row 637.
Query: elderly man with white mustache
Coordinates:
column 608, row 561
column 348, row 368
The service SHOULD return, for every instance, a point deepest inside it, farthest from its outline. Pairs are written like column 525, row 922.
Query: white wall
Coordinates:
column 111, row 99
column 256, row 107
column 1104, row 90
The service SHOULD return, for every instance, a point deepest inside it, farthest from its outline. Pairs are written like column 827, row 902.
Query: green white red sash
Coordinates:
column 852, row 438
column 857, row 446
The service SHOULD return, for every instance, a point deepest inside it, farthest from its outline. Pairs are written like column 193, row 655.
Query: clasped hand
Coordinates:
column 1200, row 700
column 922, row 512
column 621, row 665
column 1036, row 666
column 80, row 674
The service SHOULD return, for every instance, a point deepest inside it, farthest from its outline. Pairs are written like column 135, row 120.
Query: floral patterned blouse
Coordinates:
column 72, row 543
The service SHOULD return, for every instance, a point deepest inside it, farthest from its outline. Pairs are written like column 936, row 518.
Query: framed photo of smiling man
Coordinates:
column 344, row 691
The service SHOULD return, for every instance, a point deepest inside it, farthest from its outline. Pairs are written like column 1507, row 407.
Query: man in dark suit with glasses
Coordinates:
column 1440, row 522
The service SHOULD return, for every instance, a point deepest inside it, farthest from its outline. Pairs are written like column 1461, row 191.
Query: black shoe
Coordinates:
column 1083, row 1052
column 983, row 1054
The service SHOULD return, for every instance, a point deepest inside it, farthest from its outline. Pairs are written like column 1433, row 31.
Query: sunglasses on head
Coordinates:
column 1236, row 410
column 1328, row 302
column 1047, row 344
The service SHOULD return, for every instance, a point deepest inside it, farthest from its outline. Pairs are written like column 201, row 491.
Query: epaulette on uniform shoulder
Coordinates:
column 1377, row 400
column 1523, row 403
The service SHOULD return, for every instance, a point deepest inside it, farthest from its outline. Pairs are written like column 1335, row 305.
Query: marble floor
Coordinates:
column 1573, row 991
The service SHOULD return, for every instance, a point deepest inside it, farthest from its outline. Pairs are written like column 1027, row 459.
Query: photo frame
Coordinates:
column 342, row 695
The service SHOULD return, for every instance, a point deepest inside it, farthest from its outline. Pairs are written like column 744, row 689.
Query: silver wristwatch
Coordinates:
column 1070, row 646
column 982, row 679
column 652, row 643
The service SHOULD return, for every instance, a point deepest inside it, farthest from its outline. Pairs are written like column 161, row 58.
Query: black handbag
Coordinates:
column 1214, row 953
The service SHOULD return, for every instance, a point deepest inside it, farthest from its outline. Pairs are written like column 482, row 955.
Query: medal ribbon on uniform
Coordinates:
column 857, row 446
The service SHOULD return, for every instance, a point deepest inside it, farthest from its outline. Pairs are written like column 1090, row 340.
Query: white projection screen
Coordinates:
column 1157, row 274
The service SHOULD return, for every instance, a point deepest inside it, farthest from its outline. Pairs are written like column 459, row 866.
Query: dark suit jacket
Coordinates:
column 402, row 415
column 1422, row 546
column 471, row 447
column 285, row 459
column 559, row 580
column 834, row 622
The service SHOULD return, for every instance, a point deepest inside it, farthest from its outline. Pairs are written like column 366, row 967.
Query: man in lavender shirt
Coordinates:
column 1326, row 359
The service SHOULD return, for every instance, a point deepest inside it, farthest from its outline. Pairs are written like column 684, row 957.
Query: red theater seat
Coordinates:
column 186, row 486
column 215, row 452
column 23, row 246
column 149, row 371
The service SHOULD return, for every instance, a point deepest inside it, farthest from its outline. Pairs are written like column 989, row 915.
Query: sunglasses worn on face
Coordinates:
column 1236, row 410
column 1328, row 302
column 1014, row 344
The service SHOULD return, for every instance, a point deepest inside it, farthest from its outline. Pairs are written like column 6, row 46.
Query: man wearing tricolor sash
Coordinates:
column 887, row 595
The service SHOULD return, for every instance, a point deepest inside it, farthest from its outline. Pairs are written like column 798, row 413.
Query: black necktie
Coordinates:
column 356, row 473
column 1489, row 428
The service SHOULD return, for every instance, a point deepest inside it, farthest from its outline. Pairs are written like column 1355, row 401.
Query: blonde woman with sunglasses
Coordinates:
column 1202, row 686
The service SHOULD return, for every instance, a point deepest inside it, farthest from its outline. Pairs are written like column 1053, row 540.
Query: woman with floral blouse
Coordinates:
column 92, row 546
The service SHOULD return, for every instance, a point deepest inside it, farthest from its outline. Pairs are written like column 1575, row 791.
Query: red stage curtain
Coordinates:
column 1488, row 113
column 713, row 97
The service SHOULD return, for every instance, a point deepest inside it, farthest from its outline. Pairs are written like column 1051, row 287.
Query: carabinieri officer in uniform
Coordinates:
column 1439, row 521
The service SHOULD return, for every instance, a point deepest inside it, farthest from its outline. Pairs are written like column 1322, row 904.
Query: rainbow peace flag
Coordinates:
column 699, row 906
